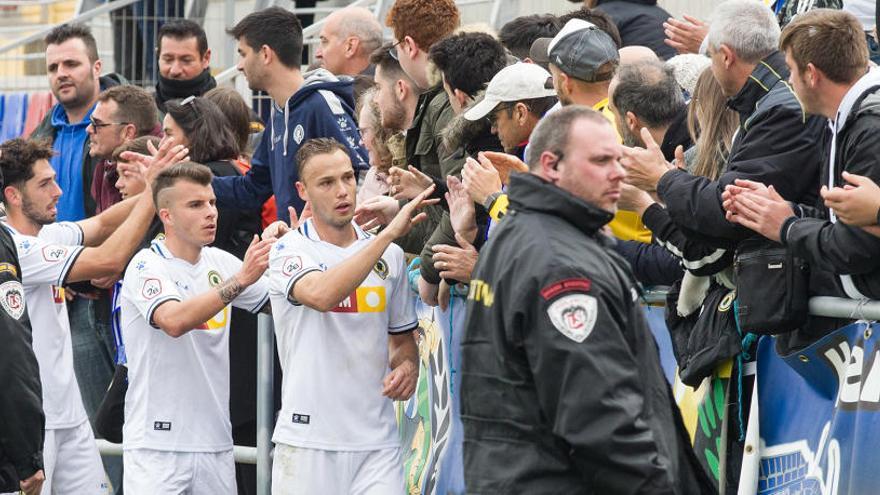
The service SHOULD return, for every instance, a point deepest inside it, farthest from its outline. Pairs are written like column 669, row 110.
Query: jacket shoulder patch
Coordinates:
column 574, row 315
column 567, row 285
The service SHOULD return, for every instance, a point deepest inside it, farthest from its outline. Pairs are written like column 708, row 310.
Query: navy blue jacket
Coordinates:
column 323, row 107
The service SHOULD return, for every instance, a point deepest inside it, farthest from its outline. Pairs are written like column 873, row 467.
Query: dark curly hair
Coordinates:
column 468, row 61
column 425, row 21
column 17, row 159
column 519, row 34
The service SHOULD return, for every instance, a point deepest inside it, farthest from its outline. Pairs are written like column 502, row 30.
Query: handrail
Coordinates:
column 838, row 307
column 103, row 9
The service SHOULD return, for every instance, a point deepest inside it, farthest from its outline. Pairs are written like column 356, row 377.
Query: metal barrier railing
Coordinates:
column 832, row 307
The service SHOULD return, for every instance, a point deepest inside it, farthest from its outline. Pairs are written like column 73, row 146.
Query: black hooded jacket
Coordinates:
column 836, row 247
column 562, row 388
column 640, row 22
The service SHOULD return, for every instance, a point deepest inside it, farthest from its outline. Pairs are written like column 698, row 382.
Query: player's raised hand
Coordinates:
column 409, row 215
column 256, row 260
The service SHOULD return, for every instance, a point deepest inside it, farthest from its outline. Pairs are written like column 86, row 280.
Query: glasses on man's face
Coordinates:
column 393, row 50
column 97, row 125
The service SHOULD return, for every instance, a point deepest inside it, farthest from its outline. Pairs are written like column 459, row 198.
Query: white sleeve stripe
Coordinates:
column 693, row 264
column 332, row 101
column 404, row 328
column 68, row 265
column 153, row 307
column 82, row 236
column 294, row 280
column 263, row 301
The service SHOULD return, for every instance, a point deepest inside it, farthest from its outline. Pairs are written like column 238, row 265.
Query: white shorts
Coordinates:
column 303, row 471
column 156, row 472
column 71, row 462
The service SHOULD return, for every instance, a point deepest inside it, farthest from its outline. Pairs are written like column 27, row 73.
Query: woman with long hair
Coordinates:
column 711, row 125
column 198, row 124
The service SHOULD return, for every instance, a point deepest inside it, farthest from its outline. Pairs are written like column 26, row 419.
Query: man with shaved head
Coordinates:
column 348, row 37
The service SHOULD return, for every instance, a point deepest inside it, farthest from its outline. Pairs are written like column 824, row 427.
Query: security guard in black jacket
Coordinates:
column 21, row 403
column 562, row 389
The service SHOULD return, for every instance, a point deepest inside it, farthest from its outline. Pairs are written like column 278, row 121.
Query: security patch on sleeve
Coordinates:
column 574, row 315
column 12, row 298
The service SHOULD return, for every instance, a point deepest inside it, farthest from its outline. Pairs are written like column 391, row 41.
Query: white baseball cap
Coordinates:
column 517, row 82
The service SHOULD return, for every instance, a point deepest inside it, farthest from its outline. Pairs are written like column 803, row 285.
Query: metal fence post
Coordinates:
column 265, row 402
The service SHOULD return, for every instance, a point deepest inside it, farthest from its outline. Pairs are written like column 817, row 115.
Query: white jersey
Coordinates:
column 45, row 262
column 334, row 362
column 178, row 392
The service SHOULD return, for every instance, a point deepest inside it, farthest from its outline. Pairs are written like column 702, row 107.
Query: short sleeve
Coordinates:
column 401, row 306
column 290, row 260
column 68, row 233
column 254, row 296
column 44, row 262
column 147, row 285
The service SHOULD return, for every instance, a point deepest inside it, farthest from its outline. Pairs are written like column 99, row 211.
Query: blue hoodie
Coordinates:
column 323, row 107
column 69, row 144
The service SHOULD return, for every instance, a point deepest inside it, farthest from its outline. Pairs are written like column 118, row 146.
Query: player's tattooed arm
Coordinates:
column 229, row 290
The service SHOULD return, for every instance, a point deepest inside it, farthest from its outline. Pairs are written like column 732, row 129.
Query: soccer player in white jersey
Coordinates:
column 344, row 316
column 52, row 255
column 176, row 298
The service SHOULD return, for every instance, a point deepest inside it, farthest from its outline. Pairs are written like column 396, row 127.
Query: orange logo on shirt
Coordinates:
column 217, row 322
column 363, row 300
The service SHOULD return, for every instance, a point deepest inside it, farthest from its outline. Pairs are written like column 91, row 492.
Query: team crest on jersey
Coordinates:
column 54, row 253
column 381, row 269
column 12, row 298
column 152, row 288
column 574, row 315
column 214, row 278
column 291, row 265
column 299, row 133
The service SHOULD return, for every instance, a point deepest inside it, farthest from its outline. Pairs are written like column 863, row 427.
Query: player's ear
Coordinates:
column 301, row 189
column 165, row 216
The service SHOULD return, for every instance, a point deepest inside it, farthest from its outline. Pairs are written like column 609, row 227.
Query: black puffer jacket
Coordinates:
column 640, row 22
column 562, row 389
column 21, row 404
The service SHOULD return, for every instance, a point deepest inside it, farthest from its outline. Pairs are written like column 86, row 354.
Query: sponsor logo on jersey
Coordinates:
column 152, row 288
column 363, row 300
column 54, row 253
column 218, row 322
column 12, row 298
column 574, row 315
column 58, row 294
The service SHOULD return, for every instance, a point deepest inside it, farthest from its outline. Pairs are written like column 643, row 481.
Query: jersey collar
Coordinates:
column 308, row 229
